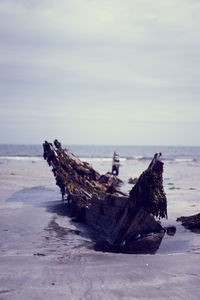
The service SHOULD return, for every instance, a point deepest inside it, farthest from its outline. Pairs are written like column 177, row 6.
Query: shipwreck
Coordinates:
column 124, row 222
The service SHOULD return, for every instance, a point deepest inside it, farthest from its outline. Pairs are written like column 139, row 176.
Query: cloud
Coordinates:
column 99, row 62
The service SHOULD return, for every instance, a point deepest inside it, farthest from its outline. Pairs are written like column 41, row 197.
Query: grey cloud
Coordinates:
column 92, row 56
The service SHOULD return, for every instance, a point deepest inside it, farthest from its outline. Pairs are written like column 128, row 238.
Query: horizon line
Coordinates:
column 105, row 145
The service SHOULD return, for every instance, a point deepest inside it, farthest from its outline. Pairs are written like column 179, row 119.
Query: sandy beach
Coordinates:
column 44, row 254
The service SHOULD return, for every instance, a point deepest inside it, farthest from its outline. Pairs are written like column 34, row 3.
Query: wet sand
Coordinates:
column 44, row 255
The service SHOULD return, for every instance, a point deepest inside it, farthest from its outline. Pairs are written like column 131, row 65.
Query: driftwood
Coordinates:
column 122, row 220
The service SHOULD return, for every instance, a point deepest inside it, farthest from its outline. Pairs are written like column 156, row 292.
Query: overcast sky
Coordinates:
column 100, row 71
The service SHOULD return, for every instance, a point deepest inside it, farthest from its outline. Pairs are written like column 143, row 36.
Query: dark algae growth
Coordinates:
column 191, row 222
column 125, row 222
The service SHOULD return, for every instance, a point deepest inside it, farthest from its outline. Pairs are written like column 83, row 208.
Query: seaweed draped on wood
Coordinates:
column 148, row 191
column 78, row 179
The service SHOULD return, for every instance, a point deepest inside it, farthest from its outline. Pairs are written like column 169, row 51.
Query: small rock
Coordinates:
column 132, row 180
column 171, row 230
column 39, row 254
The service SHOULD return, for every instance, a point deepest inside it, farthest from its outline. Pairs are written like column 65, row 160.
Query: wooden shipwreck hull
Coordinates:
column 125, row 222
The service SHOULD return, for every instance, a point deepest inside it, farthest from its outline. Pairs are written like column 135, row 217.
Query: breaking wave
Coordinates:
column 105, row 159
column 21, row 158
column 185, row 160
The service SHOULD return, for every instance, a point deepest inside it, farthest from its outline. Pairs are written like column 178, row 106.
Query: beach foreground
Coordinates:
column 44, row 254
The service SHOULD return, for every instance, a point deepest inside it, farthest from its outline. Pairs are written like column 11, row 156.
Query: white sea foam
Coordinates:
column 21, row 158
column 99, row 159
column 183, row 160
column 139, row 157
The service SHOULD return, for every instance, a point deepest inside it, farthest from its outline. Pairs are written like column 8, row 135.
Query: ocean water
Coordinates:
column 176, row 153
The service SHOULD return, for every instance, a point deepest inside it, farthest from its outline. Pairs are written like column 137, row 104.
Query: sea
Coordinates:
column 176, row 153
column 43, row 253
